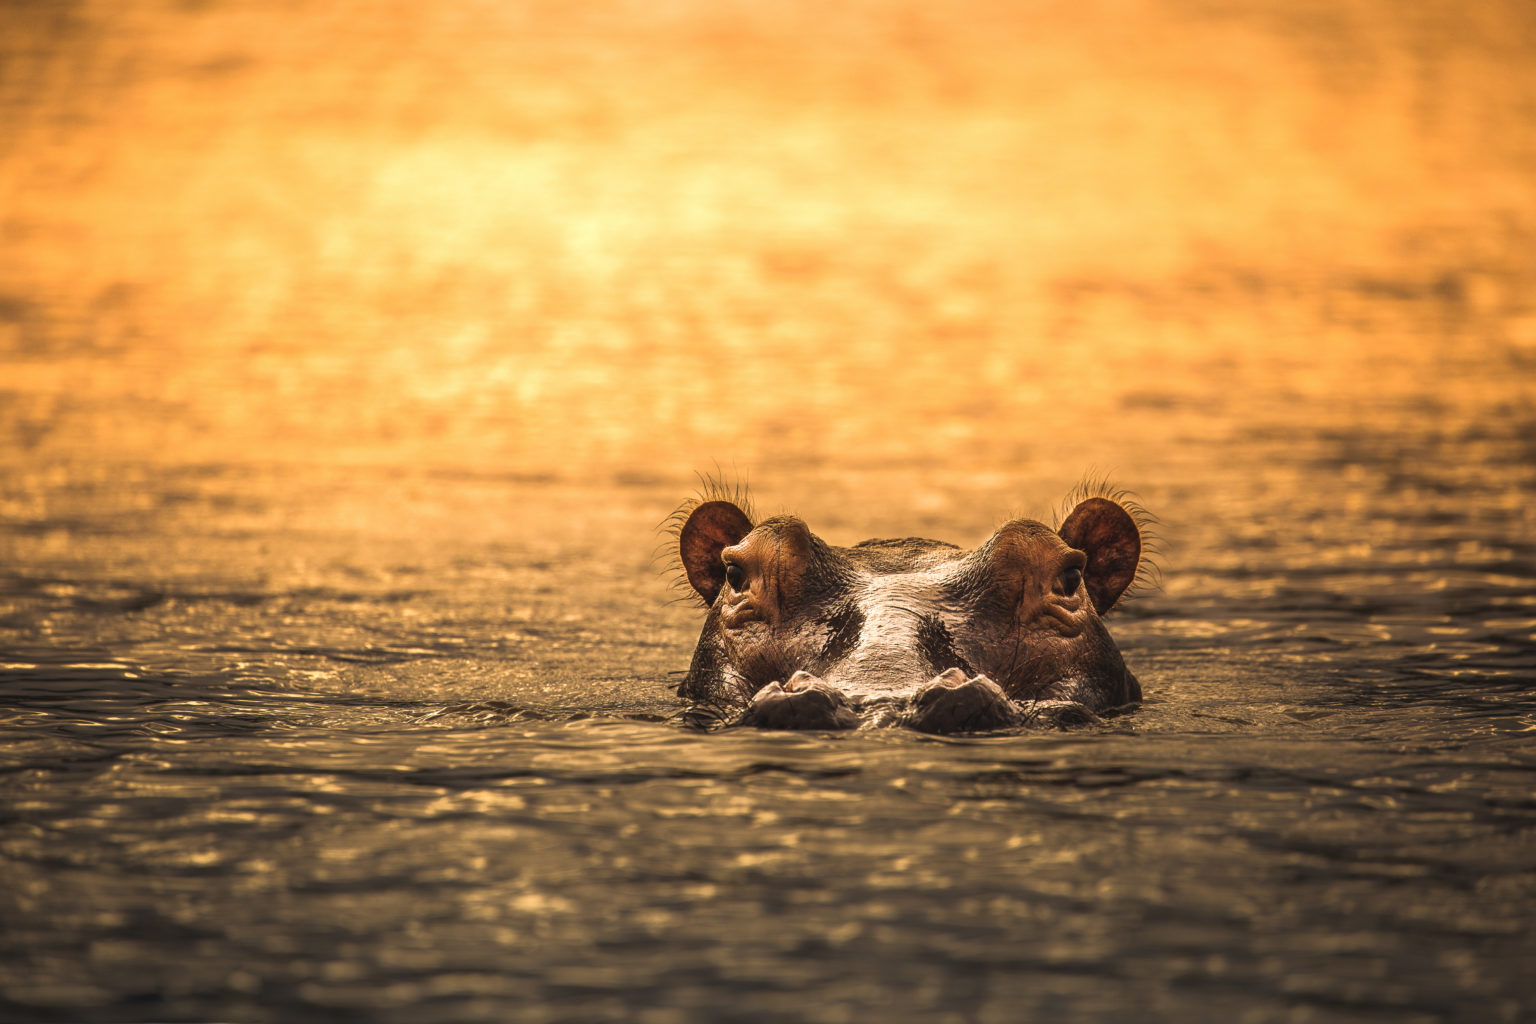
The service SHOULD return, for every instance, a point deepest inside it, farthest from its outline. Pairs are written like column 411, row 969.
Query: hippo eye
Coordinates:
column 1067, row 583
column 736, row 576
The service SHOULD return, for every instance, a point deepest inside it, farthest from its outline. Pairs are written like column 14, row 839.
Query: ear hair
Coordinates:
column 1149, row 571
column 712, row 487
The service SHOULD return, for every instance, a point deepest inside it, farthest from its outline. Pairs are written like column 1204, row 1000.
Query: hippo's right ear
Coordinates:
column 711, row 528
column 1104, row 531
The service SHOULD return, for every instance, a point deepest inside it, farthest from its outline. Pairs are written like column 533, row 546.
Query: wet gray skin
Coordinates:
column 804, row 635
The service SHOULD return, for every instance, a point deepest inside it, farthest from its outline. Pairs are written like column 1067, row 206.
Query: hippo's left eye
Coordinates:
column 1067, row 583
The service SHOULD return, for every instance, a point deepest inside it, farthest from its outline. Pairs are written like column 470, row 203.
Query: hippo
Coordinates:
column 801, row 634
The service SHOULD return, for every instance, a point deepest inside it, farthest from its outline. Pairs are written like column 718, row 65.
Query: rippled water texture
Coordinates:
column 351, row 353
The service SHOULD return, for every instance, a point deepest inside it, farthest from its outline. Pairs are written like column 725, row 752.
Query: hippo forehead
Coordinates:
column 894, row 602
column 914, row 594
column 932, row 561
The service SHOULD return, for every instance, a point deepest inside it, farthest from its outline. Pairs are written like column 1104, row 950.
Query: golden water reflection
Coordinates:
column 556, row 238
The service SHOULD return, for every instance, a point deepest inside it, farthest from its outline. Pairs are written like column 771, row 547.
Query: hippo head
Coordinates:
column 802, row 633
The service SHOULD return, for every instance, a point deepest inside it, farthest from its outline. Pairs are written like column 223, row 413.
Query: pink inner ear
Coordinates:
column 710, row 529
column 1107, row 534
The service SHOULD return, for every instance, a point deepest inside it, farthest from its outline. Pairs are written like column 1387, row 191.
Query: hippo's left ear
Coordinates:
column 711, row 528
column 1106, row 533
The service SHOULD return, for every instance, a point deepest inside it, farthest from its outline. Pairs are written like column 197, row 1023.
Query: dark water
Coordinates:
column 351, row 355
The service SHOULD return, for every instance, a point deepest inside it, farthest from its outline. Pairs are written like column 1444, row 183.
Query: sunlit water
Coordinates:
column 351, row 355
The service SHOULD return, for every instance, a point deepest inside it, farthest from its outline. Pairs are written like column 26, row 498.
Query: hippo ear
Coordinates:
column 1107, row 534
column 711, row 528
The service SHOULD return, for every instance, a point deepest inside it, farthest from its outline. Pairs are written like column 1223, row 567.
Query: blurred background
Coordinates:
column 352, row 352
column 581, row 240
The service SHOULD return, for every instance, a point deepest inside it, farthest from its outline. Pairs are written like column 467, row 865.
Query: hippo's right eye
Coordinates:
column 736, row 576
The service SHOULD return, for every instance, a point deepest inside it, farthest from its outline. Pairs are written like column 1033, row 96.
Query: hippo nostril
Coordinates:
column 975, row 704
column 935, row 687
column 804, row 702
column 802, row 680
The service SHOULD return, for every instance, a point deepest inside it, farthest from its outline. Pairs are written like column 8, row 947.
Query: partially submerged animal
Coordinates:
column 804, row 635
